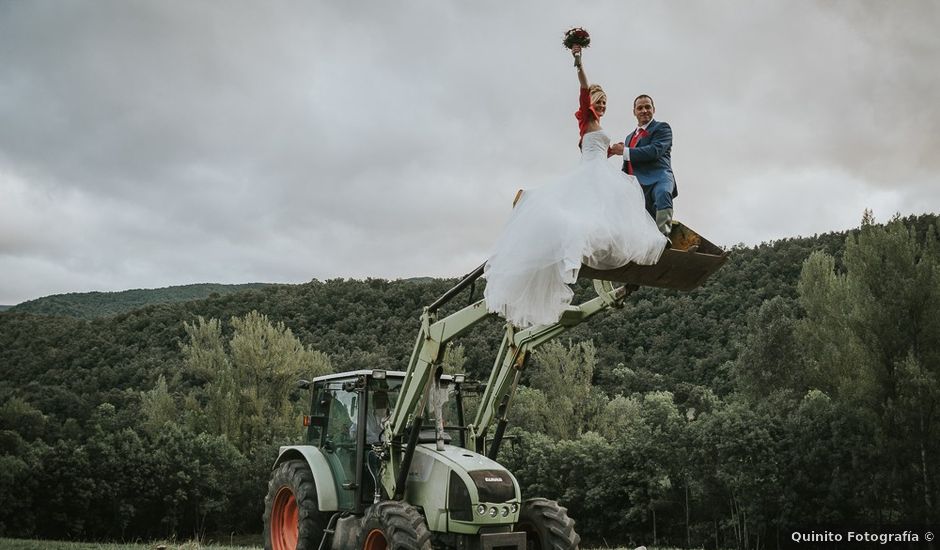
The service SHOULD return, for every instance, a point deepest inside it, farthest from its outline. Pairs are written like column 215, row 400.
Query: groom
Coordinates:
column 647, row 155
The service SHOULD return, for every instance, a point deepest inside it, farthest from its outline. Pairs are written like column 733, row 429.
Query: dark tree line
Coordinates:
column 91, row 305
column 799, row 386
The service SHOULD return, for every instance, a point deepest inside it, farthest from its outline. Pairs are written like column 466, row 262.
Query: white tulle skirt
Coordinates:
column 594, row 215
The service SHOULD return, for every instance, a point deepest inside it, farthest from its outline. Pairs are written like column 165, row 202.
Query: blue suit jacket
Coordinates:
column 652, row 156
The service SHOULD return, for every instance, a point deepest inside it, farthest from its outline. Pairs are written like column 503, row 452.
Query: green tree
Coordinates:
column 201, row 476
column 874, row 332
column 772, row 359
column 621, row 416
column 562, row 374
column 158, row 407
column 19, row 512
column 530, row 411
column 248, row 395
column 19, row 416
column 736, row 452
column 455, row 359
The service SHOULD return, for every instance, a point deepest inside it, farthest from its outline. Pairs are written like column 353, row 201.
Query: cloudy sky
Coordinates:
column 161, row 142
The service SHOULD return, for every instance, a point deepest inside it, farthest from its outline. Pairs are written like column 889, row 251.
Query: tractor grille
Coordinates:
column 494, row 485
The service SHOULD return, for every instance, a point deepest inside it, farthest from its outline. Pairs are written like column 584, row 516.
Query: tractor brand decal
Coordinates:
column 493, row 485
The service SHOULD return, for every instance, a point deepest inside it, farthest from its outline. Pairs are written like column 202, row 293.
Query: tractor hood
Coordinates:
column 436, row 477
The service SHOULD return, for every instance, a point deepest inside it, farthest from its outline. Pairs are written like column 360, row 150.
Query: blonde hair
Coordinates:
column 597, row 93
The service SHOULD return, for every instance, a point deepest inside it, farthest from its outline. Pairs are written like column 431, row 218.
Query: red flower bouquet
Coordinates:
column 576, row 37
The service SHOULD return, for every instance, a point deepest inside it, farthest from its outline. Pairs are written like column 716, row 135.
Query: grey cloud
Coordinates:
column 150, row 143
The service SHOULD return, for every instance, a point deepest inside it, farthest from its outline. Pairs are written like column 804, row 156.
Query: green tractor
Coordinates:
column 390, row 460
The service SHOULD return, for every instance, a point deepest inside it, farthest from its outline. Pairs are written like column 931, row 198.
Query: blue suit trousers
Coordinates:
column 658, row 196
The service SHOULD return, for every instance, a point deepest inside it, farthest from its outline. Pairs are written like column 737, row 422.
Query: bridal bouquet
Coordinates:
column 576, row 37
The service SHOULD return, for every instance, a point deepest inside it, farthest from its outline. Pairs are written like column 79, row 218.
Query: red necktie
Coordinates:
column 640, row 132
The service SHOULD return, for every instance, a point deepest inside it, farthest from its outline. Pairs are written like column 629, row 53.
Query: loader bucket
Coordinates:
column 684, row 266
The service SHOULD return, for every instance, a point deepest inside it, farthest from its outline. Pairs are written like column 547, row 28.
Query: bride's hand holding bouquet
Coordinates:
column 576, row 52
column 575, row 40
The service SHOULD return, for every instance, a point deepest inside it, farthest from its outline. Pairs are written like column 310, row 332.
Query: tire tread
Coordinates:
column 550, row 520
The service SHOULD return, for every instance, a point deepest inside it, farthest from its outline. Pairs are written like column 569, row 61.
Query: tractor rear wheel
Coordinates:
column 292, row 519
column 394, row 525
column 547, row 526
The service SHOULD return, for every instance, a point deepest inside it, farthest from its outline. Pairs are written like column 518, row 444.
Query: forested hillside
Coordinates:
column 798, row 386
column 89, row 305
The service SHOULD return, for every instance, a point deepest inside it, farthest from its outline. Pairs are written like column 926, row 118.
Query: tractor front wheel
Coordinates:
column 394, row 525
column 292, row 519
column 547, row 526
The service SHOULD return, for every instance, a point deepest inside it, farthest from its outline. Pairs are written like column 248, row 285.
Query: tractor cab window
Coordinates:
column 342, row 412
column 377, row 412
column 383, row 395
column 445, row 406
column 381, row 399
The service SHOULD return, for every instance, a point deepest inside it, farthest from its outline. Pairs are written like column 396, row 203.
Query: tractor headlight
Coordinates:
column 505, row 512
column 515, row 507
column 481, row 509
column 493, row 512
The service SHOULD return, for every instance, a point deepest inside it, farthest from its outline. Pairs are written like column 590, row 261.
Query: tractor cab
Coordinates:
column 342, row 403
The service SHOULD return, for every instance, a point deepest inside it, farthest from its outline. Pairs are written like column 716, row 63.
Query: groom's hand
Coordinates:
column 616, row 149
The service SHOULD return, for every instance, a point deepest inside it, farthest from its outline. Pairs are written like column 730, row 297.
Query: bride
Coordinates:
column 593, row 214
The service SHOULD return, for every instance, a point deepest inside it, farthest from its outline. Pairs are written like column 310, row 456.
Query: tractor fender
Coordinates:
column 322, row 475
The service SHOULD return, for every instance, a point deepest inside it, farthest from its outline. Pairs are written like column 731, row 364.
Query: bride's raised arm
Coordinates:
column 589, row 113
column 582, row 78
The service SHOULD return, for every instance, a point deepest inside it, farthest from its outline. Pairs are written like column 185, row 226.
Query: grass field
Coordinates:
column 24, row 544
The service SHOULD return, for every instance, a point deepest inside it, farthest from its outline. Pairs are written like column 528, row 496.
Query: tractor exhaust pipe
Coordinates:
column 416, row 425
column 497, row 439
column 406, row 460
column 504, row 407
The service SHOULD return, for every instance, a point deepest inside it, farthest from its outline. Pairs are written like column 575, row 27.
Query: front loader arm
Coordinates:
column 514, row 352
column 427, row 355
column 436, row 334
column 423, row 374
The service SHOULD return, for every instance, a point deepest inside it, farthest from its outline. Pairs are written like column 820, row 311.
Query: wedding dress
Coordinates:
column 594, row 214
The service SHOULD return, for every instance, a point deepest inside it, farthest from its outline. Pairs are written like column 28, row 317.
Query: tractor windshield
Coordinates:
column 444, row 404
